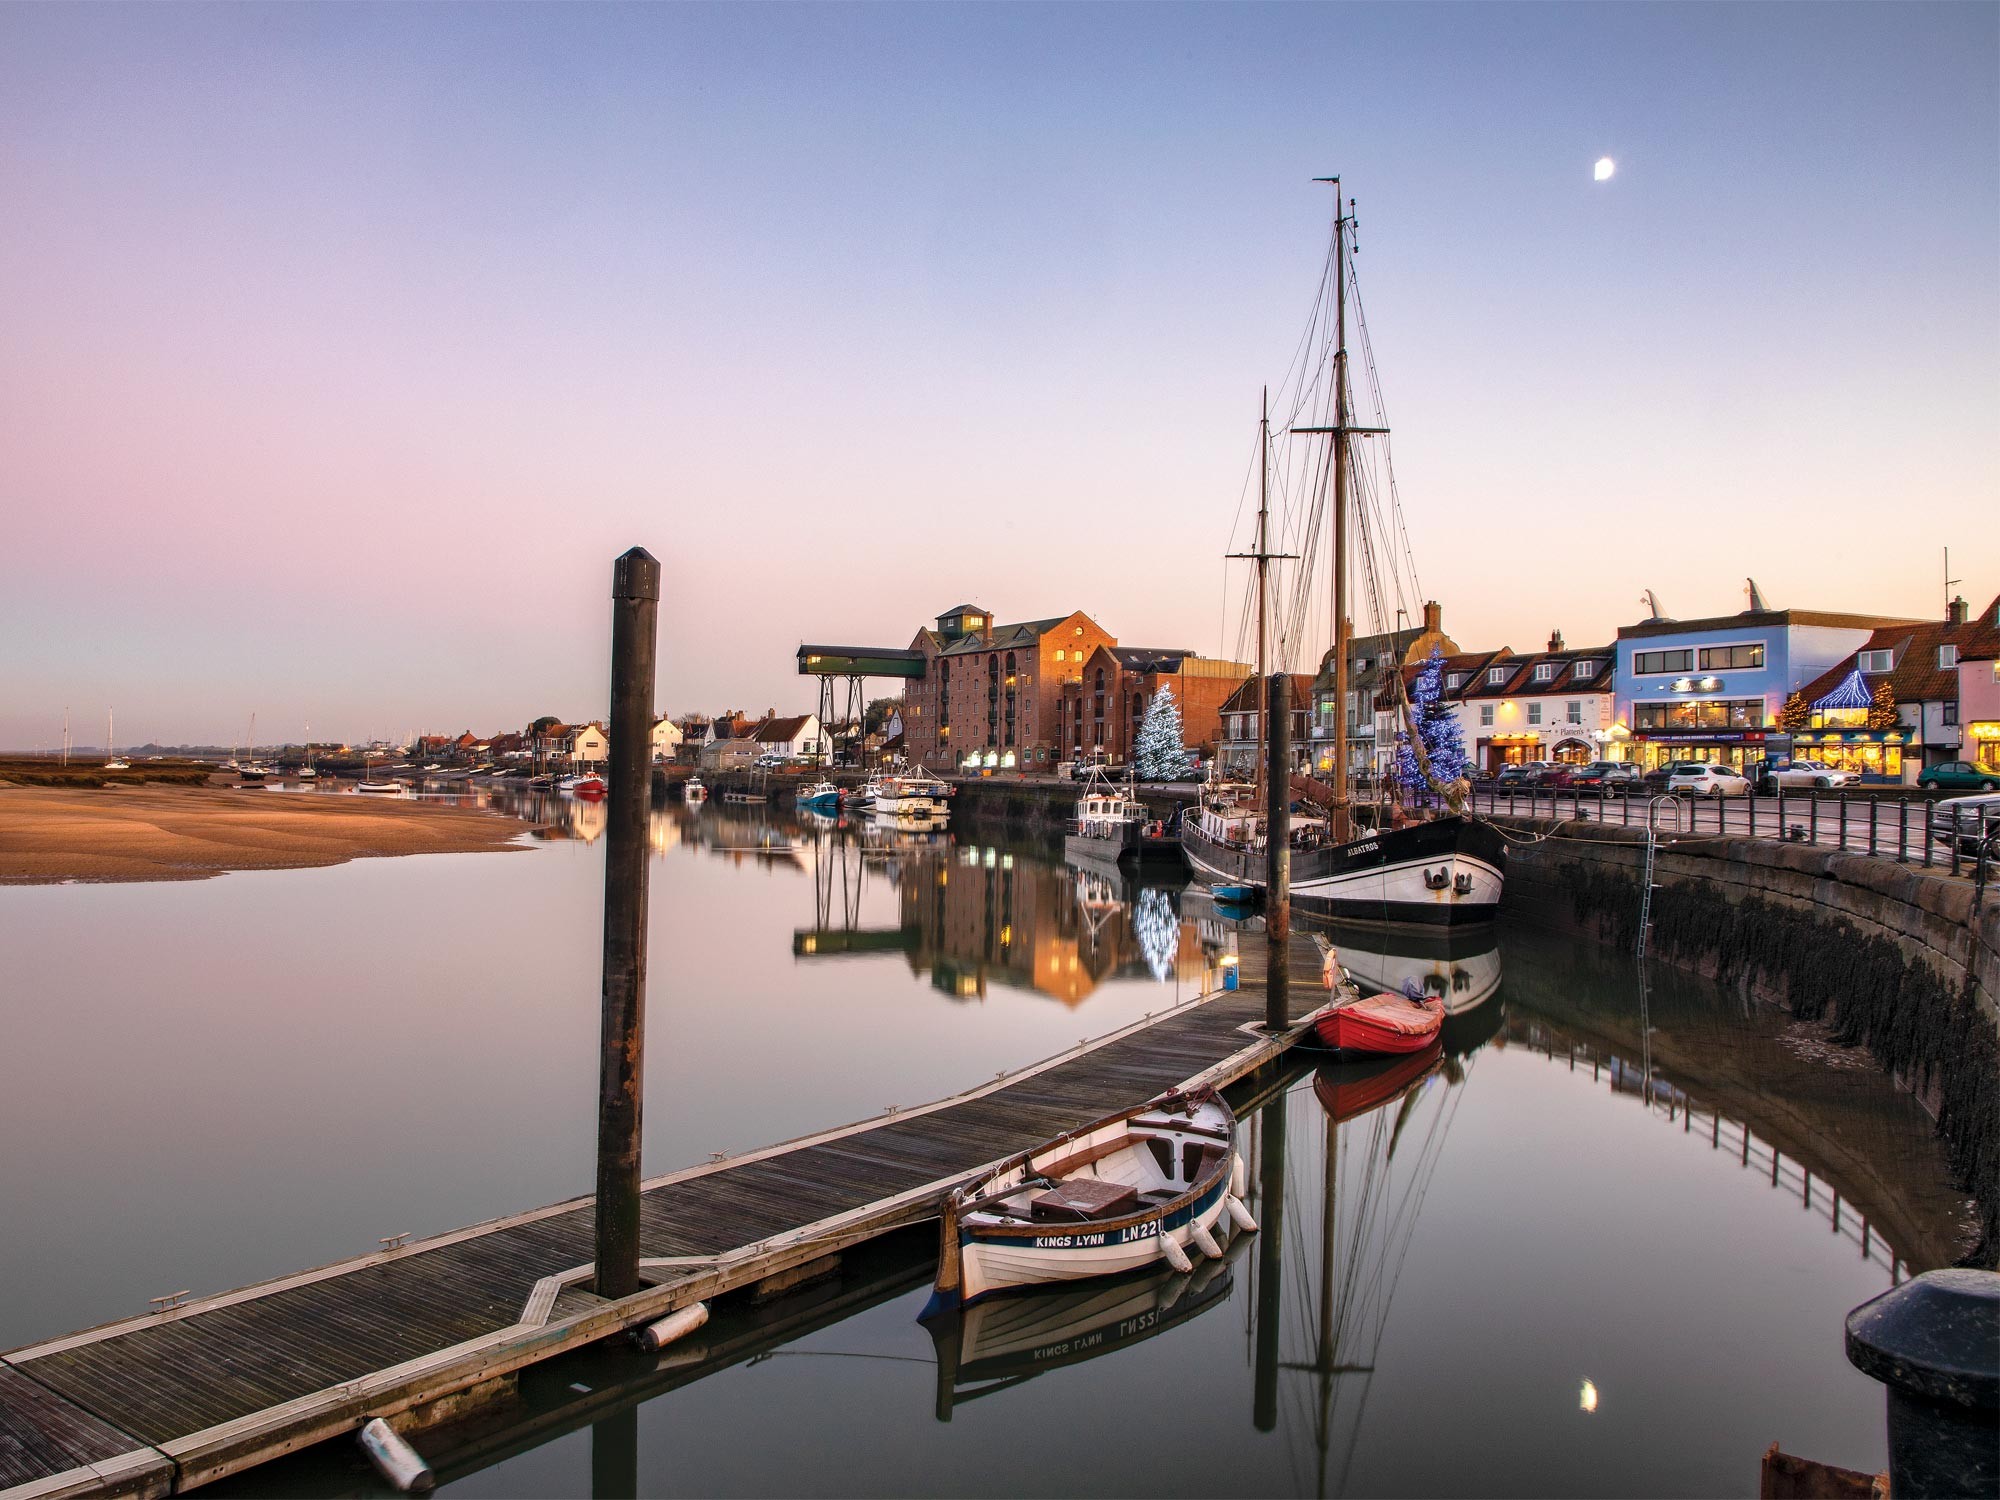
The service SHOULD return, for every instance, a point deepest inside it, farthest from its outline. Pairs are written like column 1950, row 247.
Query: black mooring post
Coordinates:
column 1935, row 1344
column 1278, row 853
column 635, row 610
column 1270, row 1265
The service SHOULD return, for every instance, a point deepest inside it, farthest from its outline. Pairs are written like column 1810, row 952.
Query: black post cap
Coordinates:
column 636, row 575
column 1936, row 1336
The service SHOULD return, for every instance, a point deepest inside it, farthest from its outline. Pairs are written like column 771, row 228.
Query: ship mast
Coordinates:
column 1263, row 556
column 1339, row 432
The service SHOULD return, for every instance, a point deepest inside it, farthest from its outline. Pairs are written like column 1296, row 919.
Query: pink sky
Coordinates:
column 341, row 349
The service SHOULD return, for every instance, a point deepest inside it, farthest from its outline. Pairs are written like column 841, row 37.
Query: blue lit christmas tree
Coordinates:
column 1437, row 725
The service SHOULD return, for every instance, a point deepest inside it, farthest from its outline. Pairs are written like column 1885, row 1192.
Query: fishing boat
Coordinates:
column 1109, row 824
column 821, row 797
column 911, row 797
column 693, row 790
column 1443, row 871
column 588, row 784
column 1121, row 1194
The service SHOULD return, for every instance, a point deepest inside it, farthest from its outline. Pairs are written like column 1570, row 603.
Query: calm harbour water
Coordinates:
column 1604, row 1247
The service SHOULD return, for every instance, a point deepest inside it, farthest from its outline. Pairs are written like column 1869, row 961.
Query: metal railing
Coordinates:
column 1964, row 841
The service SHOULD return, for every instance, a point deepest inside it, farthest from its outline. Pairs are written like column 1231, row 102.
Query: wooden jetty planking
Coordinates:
column 226, row 1382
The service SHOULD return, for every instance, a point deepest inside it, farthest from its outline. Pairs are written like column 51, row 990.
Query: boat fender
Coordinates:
column 1174, row 1255
column 395, row 1459
column 679, row 1324
column 1240, row 1214
column 1205, row 1242
column 1239, row 1176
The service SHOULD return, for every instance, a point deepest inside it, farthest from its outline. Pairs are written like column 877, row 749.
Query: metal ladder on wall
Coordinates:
column 1646, row 885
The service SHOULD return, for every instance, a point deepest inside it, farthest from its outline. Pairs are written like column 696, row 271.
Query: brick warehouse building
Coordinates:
column 999, row 690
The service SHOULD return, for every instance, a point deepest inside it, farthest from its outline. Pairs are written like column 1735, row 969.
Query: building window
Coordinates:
column 1497, row 676
column 1877, row 661
column 1947, row 657
column 1575, row 711
column 1534, row 713
column 1585, row 670
column 1722, row 658
column 1061, row 655
column 1651, row 663
column 1948, row 711
column 1544, row 670
column 1712, row 713
column 1454, row 679
column 1486, row 715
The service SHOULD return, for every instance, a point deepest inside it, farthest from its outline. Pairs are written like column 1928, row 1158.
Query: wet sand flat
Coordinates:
column 50, row 834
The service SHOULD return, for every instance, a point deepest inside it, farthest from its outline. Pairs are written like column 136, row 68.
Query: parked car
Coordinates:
column 1967, row 819
column 1789, row 774
column 1655, row 781
column 1607, row 776
column 1960, row 775
column 769, row 762
column 1518, row 778
column 1699, row 780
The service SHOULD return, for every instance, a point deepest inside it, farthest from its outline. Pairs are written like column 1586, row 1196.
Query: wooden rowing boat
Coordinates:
column 1381, row 1025
column 1122, row 1194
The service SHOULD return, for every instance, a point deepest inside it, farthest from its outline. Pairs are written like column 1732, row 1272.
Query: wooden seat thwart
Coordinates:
column 1085, row 1198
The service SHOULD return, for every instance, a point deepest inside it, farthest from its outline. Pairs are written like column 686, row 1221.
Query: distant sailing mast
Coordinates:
column 1263, row 557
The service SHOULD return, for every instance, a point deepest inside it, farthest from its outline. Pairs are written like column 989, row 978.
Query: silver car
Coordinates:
column 1814, row 774
column 1707, row 781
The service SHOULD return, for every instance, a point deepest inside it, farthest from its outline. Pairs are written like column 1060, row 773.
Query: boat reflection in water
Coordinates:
column 1001, row 1341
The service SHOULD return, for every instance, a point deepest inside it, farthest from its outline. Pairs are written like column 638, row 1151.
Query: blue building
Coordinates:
column 1711, row 689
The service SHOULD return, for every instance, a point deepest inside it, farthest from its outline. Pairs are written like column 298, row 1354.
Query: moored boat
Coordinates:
column 588, row 784
column 1109, row 822
column 1381, row 1025
column 1130, row 1190
column 693, row 790
column 820, row 796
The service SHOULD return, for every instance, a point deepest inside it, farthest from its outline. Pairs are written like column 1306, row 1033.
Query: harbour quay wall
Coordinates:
column 1044, row 807
column 1891, row 957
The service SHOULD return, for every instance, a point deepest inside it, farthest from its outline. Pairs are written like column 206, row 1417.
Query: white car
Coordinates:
column 1813, row 774
column 1707, row 781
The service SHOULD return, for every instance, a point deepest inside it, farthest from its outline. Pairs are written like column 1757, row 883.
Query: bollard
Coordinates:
column 1934, row 1342
column 395, row 1459
column 635, row 609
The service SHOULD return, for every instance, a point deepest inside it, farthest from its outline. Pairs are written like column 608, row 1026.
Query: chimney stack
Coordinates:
column 1955, row 612
column 1555, row 640
column 1432, row 615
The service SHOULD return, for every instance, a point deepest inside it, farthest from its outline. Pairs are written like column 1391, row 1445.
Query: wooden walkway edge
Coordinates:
column 159, row 1404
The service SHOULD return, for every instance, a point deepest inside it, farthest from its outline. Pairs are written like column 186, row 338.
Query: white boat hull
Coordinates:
column 989, row 1265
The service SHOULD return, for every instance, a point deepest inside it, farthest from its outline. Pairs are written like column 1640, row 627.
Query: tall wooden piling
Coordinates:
column 1278, row 851
column 635, row 608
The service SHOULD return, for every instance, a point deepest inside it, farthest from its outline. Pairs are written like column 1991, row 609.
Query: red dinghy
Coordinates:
column 1382, row 1025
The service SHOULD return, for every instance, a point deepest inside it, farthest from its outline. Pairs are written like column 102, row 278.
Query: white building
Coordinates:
column 589, row 746
column 666, row 739
column 1553, row 705
column 799, row 737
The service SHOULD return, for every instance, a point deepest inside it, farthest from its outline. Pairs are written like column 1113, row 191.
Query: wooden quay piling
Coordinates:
column 159, row 1404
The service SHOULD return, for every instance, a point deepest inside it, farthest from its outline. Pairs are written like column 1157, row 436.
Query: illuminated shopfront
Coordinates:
column 1874, row 753
column 1982, row 743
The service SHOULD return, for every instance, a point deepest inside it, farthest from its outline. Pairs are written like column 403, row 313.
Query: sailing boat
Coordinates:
column 306, row 772
column 113, row 761
column 1446, row 871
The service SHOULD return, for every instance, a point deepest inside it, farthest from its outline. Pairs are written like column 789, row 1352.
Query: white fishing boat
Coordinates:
column 911, row 797
column 1110, row 822
column 1135, row 1188
column 1444, row 870
column 382, row 788
column 694, row 791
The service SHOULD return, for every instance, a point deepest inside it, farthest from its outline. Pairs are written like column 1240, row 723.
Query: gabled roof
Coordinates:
column 1001, row 637
column 779, row 731
column 1149, row 658
column 1914, row 675
column 1521, row 683
column 1749, row 617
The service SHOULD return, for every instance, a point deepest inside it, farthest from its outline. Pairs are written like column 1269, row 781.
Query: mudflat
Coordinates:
column 50, row 834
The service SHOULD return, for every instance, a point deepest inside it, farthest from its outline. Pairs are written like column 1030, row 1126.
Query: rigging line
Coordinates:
column 1381, row 407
